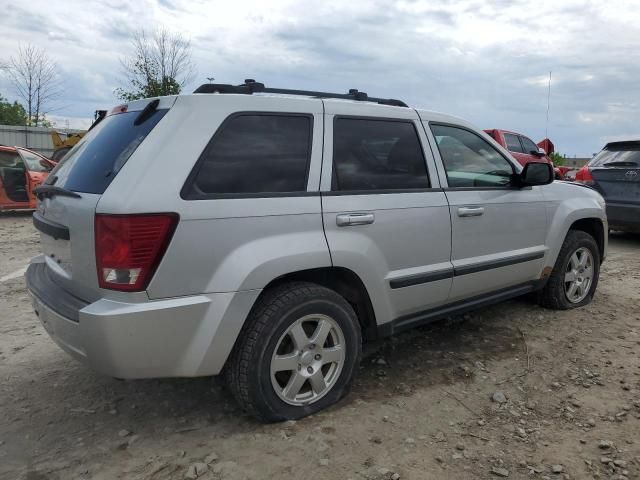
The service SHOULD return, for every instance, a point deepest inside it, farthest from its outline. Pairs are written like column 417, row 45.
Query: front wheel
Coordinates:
column 575, row 275
column 297, row 354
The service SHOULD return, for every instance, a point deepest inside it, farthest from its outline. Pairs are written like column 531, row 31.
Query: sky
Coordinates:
column 485, row 61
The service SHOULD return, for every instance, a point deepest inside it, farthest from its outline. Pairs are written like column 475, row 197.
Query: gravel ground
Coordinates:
column 510, row 391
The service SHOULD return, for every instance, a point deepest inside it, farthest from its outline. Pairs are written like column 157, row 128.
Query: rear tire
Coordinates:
column 575, row 275
column 297, row 353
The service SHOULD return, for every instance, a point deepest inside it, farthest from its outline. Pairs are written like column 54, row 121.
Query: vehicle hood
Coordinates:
column 562, row 190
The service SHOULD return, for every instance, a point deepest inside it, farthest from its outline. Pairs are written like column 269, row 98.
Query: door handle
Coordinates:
column 470, row 211
column 349, row 219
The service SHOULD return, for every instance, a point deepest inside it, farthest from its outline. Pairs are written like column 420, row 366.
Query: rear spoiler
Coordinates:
column 624, row 143
column 98, row 117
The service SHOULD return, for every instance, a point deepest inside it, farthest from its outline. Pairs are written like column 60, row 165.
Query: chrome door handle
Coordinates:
column 470, row 211
column 349, row 219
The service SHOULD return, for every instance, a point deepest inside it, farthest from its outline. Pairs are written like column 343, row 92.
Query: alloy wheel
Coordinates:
column 578, row 275
column 308, row 359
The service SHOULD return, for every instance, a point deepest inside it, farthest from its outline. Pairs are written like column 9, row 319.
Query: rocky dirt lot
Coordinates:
column 511, row 391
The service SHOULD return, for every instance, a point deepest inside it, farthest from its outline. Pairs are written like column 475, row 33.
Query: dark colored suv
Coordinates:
column 615, row 174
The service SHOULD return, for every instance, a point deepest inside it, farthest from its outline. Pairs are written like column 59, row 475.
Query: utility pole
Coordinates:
column 546, row 127
column 211, row 79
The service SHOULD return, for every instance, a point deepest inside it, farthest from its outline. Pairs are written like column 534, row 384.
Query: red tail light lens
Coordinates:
column 584, row 176
column 130, row 247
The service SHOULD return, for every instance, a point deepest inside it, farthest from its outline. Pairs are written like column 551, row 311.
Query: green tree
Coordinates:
column 12, row 113
column 558, row 159
column 160, row 64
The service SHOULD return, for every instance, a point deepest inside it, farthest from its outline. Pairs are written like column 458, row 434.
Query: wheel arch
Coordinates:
column 595, row 228
column 576, row 213
column 343, row 281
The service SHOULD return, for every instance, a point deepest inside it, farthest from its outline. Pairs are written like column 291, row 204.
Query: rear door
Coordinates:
column 37, row 170
column 498, row 231
column 66, row 208
column 385, row 216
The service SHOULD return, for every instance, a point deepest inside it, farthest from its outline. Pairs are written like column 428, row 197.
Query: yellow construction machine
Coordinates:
column 62, row 146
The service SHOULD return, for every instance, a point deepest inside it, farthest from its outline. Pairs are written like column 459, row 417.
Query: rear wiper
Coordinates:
column 149, row 110
column 48, row 191
column 620, row 164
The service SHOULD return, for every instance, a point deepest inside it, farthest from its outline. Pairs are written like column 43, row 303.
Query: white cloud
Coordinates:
column 487, row 61
column 75, row 123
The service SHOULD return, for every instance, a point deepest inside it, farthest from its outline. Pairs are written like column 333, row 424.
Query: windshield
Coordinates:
column 34, row 162
column 95, row 160
column 618, row 156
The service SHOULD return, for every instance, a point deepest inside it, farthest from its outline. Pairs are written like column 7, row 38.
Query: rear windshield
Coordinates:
column 95, row 161
column 618, row 156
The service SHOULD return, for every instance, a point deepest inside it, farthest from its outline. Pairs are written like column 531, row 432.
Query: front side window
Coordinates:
column 528, row 144
column 254, row 154
column 469, row 160
column 513, row 143
column 34, row 162
column 377, row 155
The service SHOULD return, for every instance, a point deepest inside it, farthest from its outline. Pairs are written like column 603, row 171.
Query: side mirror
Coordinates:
column 538, row 153
column 536, row 173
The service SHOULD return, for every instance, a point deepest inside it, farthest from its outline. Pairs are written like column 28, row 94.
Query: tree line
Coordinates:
column 158, row 63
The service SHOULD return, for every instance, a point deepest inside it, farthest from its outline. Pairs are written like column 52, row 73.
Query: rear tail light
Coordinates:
column 584, row 176
column 130, row 247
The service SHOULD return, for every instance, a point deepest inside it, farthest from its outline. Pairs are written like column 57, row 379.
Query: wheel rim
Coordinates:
column 308, row 360
column 578, row 275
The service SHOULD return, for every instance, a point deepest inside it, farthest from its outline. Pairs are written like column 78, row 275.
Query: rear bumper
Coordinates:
column 623, row 216
column 177, row 337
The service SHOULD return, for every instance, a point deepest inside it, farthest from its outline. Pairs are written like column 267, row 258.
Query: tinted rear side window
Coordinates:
column 96, row 160
column 377, row 155
column 254, row 154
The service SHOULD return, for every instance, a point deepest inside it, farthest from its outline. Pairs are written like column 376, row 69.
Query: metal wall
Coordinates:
column 34, row 138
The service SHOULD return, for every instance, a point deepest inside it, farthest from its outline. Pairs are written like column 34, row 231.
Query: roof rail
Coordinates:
column 250, row 86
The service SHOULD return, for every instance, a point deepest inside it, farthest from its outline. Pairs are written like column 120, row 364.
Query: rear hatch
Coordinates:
column 68, row 198
column 616, row 172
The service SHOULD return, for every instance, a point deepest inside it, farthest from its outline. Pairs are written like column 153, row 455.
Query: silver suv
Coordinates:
column 266, row 234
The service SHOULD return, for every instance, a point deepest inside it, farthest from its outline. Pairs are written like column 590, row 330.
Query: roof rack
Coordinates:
column 250, row 86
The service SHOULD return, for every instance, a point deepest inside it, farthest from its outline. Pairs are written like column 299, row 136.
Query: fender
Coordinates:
column 566, row 204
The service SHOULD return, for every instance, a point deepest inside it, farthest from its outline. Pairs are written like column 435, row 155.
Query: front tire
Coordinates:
column 575, row 275
column 297, row 353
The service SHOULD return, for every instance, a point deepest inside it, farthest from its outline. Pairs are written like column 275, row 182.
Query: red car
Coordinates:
column 523, row 149
column 21, row 171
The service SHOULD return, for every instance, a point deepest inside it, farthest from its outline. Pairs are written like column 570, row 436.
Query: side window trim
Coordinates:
column 445, row 179
column 186, row 194
column 331, row 148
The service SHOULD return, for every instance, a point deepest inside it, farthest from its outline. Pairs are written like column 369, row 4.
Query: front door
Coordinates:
column 498, row 231
column 14, row 180
column 385, row 217
column 37, row 169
